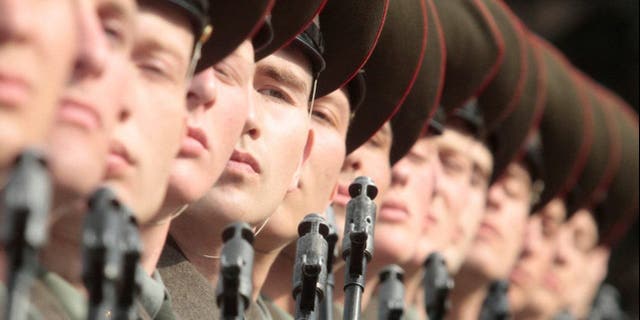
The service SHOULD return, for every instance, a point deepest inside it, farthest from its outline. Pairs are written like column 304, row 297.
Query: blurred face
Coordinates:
column 219, row 101
column 579, row 265
column 454, row 192
column 37, row 47
column 265, row 162
column 79, row 140
column 404, row 215
column 329, row 120
column 146, row 140
column 499, row 239
column 529, row 294
column 372, row 160
column 468, row 221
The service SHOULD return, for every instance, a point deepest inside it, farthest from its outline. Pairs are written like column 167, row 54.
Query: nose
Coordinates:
column 203, row 91
column 400, row 173
column 93, row 46
column 252, row 124
column 15, row 20
column 494, row 196
column 353, row 162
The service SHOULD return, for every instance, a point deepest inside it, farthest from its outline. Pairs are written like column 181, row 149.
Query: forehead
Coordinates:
column 517, row 170
column 454, row 140
column 554, row 210
column 583, row 224
column 125, row 8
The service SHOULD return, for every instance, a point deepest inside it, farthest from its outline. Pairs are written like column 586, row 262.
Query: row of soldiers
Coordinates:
column 231, row 159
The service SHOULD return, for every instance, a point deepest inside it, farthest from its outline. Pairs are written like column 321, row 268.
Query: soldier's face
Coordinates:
column 528, row 292
column 453, row 190
column 147, row 139
column 500, row 236
column 88, row 110
column 404, row 215
column 275, row 140
column 579, row 266
column 37, row 47
column 219, row 101
column 371, row 160
column 329, row 120
column 468, row 220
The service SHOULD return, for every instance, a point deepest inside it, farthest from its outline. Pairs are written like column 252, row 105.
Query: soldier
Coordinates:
column 320, row 176
column 90, row 106
column 160, row 63
column 530, row 296
column 561, row 106
column 586, row 240
column 262, row 167
column 82, row 121
column 27, row 101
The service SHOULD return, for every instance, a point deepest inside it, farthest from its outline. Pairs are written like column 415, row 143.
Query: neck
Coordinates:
column 153, row 238
column 413, row 292
column 63, row 253
column 280, row 281
column 468, row 294
column 262, row 264
column 201, row 246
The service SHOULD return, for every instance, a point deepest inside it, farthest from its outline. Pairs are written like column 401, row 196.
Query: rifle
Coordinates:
column 437, row 284
column 26, row 205
column 326, row 305
column 391, row 293
column 357, row 244
column 235, row 284
column 103, row 252
column 310, row 271
column 130, row 283
column 496, row 304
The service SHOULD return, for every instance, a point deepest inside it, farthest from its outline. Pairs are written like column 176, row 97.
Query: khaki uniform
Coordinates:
column 192, row 295
column 276, row 312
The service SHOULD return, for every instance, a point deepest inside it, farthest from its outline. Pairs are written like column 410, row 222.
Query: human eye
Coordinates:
column 275, row 94
column 114, row 30
column 153, row 68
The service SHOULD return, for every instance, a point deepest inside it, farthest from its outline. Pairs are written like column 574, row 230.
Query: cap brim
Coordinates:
column 475, row 50
column 392, row 69
column 350, row 29
column 288, row 19
column 423, row 100
column 566, row 128
column 502, row 94
column 604, row 156
column 620, row 208
column 511, row 135
column 233, row 22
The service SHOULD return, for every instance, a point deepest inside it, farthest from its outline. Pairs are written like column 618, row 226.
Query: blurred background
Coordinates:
column 601, row 38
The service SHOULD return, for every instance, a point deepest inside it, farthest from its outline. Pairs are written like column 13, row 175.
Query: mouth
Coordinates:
column 244, row 161
column 194, row 144
column 118, row 160
column 342, row 196
column 14, row 90
column 518, row 275
column 393, row 211
column 78, row 113
column 487, row 230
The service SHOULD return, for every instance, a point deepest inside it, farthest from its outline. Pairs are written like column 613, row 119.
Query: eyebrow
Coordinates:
column 117, row 10
column 155, row 45
column 283, row 76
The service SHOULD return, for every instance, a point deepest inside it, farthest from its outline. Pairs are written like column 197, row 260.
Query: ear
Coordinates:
column 295, row 182
column 599, row 257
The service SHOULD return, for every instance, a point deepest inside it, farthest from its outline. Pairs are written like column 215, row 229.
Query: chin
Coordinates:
column 12, row 143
